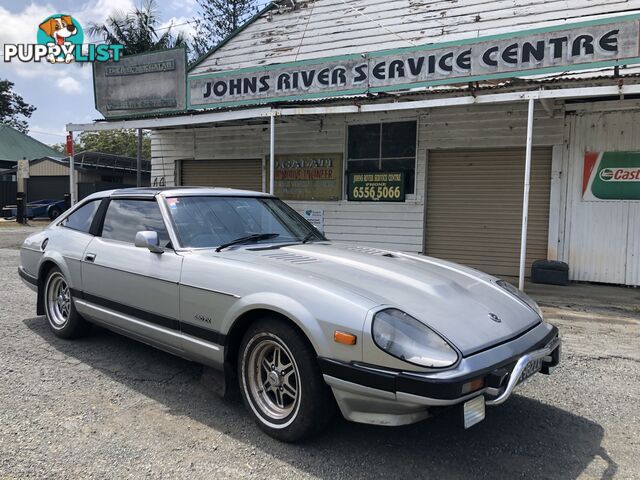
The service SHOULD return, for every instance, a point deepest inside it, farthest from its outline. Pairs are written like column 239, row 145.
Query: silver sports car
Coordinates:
column 240, row 282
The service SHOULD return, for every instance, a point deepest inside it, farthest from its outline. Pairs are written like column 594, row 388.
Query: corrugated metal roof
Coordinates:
column 591, row 77
column 15, row 146
column 96, row 162
column 314, row 29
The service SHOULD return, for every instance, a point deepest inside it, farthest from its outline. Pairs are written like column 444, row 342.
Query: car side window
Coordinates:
column 81, row 218
column 124, row 218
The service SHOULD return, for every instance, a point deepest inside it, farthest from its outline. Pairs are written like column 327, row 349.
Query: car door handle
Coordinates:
column 90, row 257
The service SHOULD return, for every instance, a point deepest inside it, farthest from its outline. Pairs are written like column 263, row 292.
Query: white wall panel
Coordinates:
column 320, row 28
column 601, row 239
column 633, row 248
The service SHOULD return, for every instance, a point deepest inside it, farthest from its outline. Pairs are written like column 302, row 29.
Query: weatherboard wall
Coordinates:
column 389, row 225
column 599, row 240
column 323, row 28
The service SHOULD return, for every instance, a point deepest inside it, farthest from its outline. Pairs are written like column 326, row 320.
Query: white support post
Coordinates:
column 525, row 200
column 72, row 175
column 272, row 153
column 139, row 159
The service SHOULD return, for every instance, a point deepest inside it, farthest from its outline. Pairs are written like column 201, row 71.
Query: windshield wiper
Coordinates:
column 307, row 238
column 249, row 238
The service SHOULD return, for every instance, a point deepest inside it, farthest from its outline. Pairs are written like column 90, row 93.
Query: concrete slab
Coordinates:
column 587, row 295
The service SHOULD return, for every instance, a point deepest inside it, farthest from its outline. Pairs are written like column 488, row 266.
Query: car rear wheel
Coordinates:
column 64, row 320
column 281, row 383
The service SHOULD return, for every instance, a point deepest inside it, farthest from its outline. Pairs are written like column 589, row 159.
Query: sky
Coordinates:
column 64, row 93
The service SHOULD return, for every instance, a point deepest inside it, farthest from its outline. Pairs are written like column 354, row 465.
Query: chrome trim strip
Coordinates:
column 203, row 343
column 129, row 272
column 515, row 374
column 23, row 247
column 107, row 311
column 210, row 290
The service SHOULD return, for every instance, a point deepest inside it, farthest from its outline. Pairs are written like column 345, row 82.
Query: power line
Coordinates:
column 47, row 133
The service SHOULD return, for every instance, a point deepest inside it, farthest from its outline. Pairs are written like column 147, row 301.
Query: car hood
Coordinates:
column 459, row 303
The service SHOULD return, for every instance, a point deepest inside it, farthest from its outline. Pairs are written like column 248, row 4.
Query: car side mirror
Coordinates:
column 148, row 239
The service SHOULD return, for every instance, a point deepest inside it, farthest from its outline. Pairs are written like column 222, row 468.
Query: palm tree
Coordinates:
column 137, row 30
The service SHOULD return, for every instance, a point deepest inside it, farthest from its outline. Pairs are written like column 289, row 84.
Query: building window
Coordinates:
column 384, row 147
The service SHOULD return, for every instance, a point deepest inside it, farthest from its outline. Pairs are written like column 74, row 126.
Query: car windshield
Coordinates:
column 211, row 221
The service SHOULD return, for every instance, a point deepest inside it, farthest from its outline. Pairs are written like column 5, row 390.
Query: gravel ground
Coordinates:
column 108, row 407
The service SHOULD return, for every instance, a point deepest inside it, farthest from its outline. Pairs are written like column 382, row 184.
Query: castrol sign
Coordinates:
column 611, row 176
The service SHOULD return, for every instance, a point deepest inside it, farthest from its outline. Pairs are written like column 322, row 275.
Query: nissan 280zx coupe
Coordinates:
column 240, row 282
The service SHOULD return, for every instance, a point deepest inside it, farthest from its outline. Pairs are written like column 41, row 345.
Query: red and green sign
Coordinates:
column 611, row 176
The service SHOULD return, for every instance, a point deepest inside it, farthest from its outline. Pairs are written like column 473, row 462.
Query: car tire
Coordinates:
column 63, row 319
column 281, row 383
column 54, row 212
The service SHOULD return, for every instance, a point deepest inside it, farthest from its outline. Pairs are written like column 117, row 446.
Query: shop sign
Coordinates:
column 376, row 187
column 314, row 217
column 137, row 84
column 23, row 169
column 611, row 176
column 613, row 41
column 309, row 176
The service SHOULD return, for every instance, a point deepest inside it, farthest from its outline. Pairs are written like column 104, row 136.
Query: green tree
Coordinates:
column 115, row 142
column 217, row 19
column 13, row 107
column 138, row 30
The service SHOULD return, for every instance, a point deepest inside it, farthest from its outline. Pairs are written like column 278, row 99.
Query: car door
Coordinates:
column 69, row 239
column 129, row 288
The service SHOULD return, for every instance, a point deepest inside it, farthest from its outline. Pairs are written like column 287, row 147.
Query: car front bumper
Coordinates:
column 377, row 395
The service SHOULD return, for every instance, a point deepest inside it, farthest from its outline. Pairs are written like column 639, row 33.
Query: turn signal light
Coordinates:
column 473, row 385
column 344, row 338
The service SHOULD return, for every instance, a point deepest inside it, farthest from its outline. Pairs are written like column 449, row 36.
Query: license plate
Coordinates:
column 473, row 411
column 531, row 369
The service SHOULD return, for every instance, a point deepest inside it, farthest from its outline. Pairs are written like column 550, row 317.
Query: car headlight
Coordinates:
column 408, row 339
column 520, row 295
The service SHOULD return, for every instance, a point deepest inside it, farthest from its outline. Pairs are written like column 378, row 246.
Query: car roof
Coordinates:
column 150, row 192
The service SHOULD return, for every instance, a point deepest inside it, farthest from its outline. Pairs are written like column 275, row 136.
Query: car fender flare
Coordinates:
column 58, row 261
column 283, row 305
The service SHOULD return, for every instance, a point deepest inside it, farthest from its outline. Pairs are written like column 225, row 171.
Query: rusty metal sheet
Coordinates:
column 138, row 84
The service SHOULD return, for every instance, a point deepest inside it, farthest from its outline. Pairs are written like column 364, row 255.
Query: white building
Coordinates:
column 453, row 124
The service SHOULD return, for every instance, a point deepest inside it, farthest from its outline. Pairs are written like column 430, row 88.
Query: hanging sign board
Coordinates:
column 309, row 176
column 376, row 187
column 613, row 41
column 315, row 217
column 23, row 169
column 152, row 82
column 611, row 176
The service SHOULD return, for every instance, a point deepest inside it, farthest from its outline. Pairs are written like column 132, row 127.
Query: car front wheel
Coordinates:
column 64, row 320
column 281, row 383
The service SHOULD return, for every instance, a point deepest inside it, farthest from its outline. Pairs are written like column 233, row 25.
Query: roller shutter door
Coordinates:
column 241, row 174
column 474, row 208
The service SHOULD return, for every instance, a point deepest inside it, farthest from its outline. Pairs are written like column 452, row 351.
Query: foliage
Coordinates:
column 218, row 18
column 138, row 30
column 115, row 142
column 12, row 107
